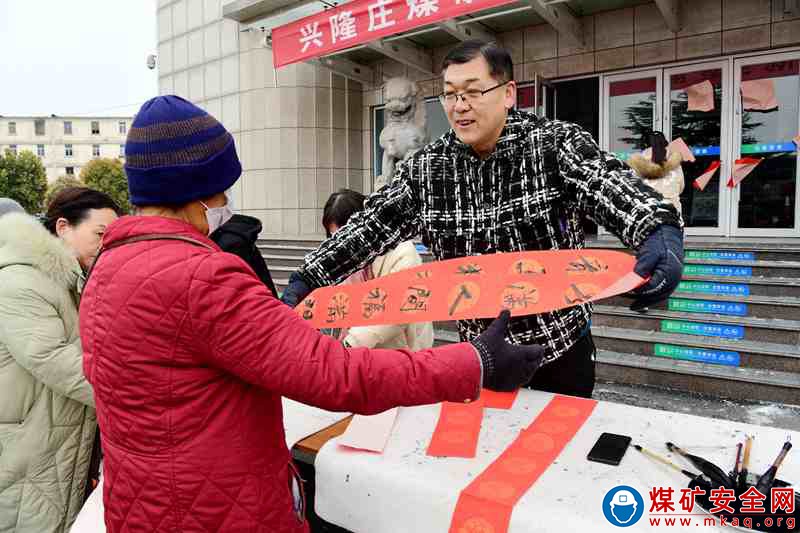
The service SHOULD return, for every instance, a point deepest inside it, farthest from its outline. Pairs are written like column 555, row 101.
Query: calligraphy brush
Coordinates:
column 712, row 471
column 748, row 445
column 665, row 461
column 738, row 463
column 766, row 480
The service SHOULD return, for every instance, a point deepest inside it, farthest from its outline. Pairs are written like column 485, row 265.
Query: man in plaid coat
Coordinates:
column 503, row 180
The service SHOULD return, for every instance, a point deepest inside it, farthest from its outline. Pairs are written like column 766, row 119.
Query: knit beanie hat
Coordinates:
column 176, row 153
column 7, row 205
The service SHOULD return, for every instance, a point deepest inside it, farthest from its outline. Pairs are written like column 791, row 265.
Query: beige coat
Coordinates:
column 47, row 416
column 416, row 336
column 666, row 178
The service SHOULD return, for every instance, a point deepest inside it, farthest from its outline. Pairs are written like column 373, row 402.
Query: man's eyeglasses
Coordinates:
column 469, row 97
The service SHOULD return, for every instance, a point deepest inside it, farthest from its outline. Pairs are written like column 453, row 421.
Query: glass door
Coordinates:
column 697, row 99
column 633, row 108
column 767, row 119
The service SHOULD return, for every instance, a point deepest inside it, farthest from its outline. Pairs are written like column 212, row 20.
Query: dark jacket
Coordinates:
column 238, row 236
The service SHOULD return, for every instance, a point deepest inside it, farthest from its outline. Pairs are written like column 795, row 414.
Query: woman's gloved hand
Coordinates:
column 297, row 289
column 506, row 366
column 661, row 259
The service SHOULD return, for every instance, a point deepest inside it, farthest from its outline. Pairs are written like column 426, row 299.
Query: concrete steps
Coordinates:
column 752, row 354
column 752, row 328
column 767, row 249
column 758, row 286
column 740, row 383
column 777, row 307
column 756, row 268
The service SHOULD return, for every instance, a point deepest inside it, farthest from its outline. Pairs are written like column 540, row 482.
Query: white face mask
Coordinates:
column 217, row 216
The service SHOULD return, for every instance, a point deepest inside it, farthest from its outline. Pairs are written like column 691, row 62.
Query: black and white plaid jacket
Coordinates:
column 529, row 194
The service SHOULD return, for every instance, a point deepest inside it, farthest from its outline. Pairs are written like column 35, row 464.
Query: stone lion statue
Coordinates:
column 404, row 132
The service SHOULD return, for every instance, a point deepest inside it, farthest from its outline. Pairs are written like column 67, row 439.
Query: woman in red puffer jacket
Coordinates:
column 189, row 354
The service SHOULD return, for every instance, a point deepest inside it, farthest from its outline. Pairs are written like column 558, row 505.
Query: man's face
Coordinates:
column 479, row 121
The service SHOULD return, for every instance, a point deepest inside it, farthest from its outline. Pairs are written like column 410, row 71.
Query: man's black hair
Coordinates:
column 501, row 67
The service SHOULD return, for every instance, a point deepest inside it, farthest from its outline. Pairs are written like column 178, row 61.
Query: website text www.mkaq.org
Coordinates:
column 755, row 509
column 700, row 519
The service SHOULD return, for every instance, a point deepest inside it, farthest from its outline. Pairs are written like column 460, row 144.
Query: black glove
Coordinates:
column 297, row 289
column 506, row 367
column 660, row 258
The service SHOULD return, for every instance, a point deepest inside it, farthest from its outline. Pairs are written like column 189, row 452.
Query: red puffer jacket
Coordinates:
column 189, row 356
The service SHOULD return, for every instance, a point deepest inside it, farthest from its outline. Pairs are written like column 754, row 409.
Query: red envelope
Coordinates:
column 703, row 179
column 741, row 168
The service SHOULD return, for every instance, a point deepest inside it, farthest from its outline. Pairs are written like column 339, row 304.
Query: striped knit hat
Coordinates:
column 176, row 153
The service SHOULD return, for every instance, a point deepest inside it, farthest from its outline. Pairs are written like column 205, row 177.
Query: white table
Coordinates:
column 404, row 490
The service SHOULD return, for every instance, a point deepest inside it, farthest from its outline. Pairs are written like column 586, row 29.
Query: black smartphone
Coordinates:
column 609, row 449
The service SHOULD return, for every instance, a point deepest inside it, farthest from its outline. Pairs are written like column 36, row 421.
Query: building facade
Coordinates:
column 65, row 144
column 621, row 67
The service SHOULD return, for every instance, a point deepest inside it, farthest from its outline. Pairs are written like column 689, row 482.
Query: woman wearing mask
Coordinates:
column 189, row 354
column 416, row 336
column 47, row 417
column 238, row 235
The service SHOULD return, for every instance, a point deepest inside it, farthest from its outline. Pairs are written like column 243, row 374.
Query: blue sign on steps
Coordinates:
column 726, row 331
column 717, row 270
column 707, row 306
column 720, row 255
column 701, row 355
column 710, row 287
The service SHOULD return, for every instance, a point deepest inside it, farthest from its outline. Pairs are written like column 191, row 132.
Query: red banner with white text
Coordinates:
column 362, row 21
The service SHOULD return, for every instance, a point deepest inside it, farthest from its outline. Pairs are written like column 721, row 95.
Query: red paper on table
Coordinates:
column 475, row 287
column 702, row 180
column 486, row 504
column 498, row 400
column 456, row 433
column 759, row 95
column 741, row 168
column 701, row 96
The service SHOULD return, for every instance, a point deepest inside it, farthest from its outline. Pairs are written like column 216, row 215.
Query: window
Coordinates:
column 95, row 150
column 70, row 171
column 122, row 150
column 123, row 127
column 13, row 149
column 95, row 127
column 38, row 126
column 12, row 128
column 67, row 127
column 67, row 150
column 40, row 150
